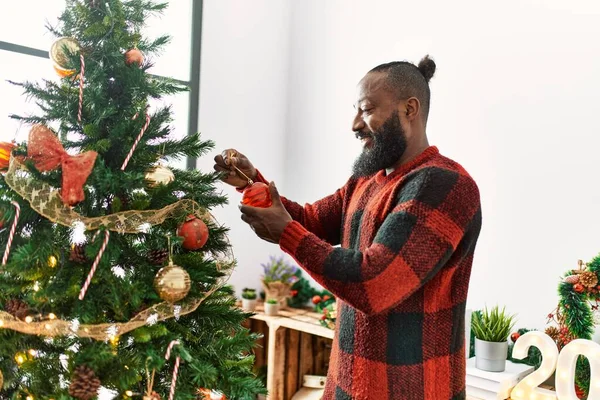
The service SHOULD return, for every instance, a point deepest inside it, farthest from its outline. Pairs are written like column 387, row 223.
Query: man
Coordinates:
column 407, row 221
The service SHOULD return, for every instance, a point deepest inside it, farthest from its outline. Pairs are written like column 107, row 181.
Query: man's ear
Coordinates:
column 413, row 108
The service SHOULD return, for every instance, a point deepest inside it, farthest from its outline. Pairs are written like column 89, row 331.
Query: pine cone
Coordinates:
column 553, row 332
column 572, row 279
column 158, row 257
column 588, row 279
column 84, row 384
column 78, row 254
column 17, row 308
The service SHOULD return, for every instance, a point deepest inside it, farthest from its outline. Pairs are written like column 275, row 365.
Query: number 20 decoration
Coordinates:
column 563, row 363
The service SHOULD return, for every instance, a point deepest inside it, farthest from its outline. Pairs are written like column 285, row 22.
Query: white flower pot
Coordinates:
column 490, row 356
column 249, row 305
column 271, row 309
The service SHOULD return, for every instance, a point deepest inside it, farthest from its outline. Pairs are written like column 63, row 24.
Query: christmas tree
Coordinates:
column 114, row 272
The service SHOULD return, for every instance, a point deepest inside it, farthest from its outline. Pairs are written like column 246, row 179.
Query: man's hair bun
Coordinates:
column 427, row 67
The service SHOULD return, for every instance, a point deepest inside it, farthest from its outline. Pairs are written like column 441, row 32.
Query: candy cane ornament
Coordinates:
column 175, row 370
column 137, row 141
column 13, row 229
column 81, row 81
column 88, row 280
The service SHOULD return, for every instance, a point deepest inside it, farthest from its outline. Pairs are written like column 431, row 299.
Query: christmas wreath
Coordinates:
column 579, row 294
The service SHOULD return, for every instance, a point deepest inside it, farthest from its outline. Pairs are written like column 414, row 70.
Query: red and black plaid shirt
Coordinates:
column 401, row 277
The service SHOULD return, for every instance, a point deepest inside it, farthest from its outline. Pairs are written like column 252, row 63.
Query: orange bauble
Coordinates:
column 194, row 232
column 257, row 195
column 5, row 150
column 134, row 56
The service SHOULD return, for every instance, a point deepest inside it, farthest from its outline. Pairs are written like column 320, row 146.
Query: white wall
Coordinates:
column 243, row 105
column 515, row 100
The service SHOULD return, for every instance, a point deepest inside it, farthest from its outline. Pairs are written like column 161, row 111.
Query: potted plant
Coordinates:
column 278, row 278
column 249, row 299
column 491, row 329
column 272, row 307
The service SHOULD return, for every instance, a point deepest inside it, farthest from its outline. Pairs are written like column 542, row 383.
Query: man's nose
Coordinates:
column 358, row 124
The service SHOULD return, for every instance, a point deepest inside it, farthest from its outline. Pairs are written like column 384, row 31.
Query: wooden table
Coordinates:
column 296, row 345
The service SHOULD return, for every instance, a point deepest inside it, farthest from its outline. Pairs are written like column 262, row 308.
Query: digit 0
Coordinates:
column 565, row 370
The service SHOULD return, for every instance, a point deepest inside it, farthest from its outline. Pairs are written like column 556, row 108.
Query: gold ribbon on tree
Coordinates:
column 107, row 331
column 47, row 202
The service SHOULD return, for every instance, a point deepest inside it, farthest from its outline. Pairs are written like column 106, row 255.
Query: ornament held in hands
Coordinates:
column 257, row 194
column 134, row 56
column 172, row 283
column 47, row 153
column 159, row 175
column 194, row 232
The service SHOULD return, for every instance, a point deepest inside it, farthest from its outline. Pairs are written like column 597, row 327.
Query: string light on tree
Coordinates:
column 52, row 261
column 20, row 358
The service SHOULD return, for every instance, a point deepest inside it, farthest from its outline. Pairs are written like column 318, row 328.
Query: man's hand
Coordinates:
column 226, row 163
column 267, row 223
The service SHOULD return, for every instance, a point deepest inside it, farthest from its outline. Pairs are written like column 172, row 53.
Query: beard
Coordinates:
column 388, row 145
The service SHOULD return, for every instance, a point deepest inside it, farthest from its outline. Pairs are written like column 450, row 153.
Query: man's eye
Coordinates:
column 367, row 110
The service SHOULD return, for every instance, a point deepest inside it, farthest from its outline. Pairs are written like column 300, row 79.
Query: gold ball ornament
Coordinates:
column 172, row 283
column 58, row 54
column 159, row 175
column 134, row 56
column 1, row 380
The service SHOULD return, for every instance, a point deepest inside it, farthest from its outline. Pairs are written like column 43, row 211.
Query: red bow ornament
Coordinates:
column 47, row 153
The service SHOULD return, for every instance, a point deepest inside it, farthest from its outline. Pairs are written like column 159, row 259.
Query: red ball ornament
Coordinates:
column 515, row 336
column 578, row 287
column 194, row 232
column 316, row 299
column 257, row 195
column 134, row 56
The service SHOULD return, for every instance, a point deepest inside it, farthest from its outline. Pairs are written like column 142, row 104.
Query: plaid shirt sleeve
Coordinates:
column 322, row 218
column 434, row 208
